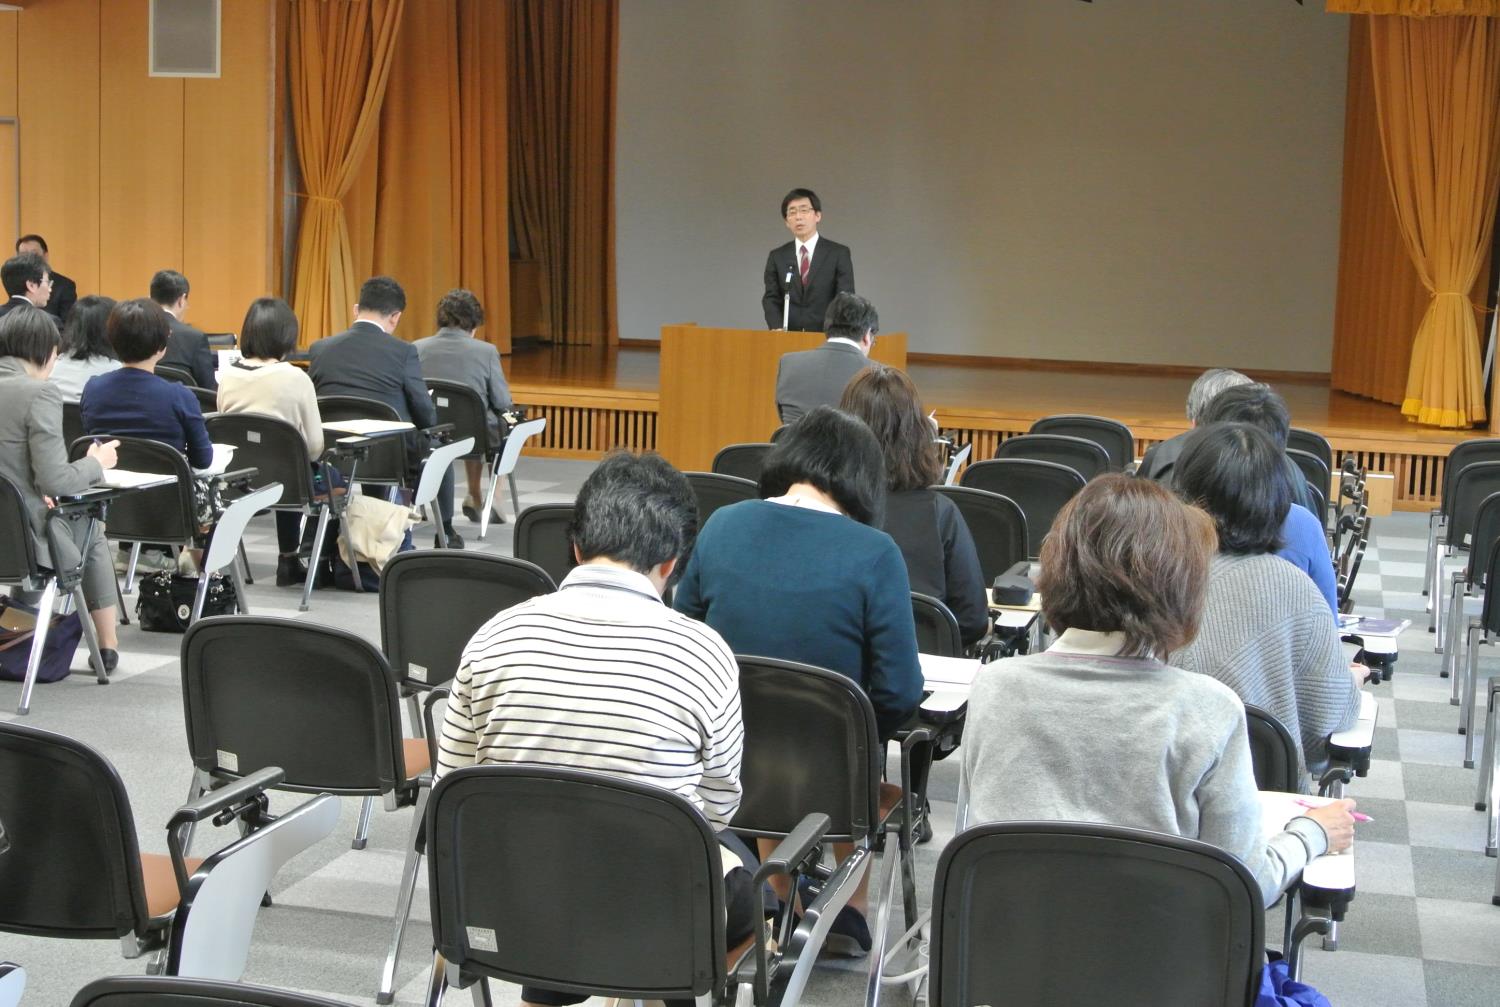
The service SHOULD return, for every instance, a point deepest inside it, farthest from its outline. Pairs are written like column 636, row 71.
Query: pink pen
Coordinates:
column 1301, row 803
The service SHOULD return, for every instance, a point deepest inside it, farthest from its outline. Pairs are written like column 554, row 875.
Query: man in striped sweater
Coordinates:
column 602, row 676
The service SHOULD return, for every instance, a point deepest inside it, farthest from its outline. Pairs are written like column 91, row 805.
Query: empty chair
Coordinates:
column 72, row 425
column 714, row 490
column 1460, row 606
column 181, row 375
column 1039, row 488
column 386, row 463
column 1314, row 471
column 1463, row 454
column 224, row 546
column 1483, row 630
column 997, row 526
column 1111, row 435
column 1084, row 456
column 505, row 465
column 208, row 400
column 160, row 991
column 1476, row 482
column 743, row 460
column 430, row 482
column 937, row 629
column 1314, row 443
column 777, row 434
column 541, row 537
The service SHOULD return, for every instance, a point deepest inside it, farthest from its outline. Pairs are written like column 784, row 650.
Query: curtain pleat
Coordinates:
column 340, row 61
column 1416, row 8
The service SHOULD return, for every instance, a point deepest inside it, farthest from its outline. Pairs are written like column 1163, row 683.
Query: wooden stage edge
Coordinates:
column 598, row 399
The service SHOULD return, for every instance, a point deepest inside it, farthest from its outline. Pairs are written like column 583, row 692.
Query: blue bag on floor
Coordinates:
column 1279, row 989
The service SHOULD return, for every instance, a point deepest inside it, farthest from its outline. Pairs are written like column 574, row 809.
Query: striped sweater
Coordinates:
column 602, row 676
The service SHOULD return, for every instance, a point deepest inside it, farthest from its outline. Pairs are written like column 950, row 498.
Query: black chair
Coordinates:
column 541, row 537
column 633, row 872
column 1111, row 435
column 1039, row 488
column 1314, row 471
column 937, row 628
column 72, row 422
column 158, row 991
column 1085, row 457
column 1482, row 538
column 1273, row 751
column 181, row 375
column 208, row 401
column 743, row 460
column 462, row 406
column 320, row 703
column 386, row 462
column 997, row 526
column 1163, row 920
column 1483, row 631
column 1314, row 443
column 1476, row 482
column 779, row 432
column 1463, row 454
column 278, row 453
column 1320, row 505
column 162, row 514
column 431, row 604
column 715, row 490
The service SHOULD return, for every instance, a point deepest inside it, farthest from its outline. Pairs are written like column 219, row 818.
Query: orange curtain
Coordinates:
column 562, row 101
column 1437, row 93
column 340, row 59
column 1416, row 8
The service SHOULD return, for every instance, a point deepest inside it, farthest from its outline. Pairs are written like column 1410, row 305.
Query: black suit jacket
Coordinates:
column 64, row 296
column 369, row 362
column 187, row 348
column 830, row 273
column 16, row 302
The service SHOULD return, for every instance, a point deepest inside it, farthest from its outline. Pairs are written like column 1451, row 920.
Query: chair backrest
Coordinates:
column 208, row 400
column 460, row 405
column 1274, row 753
column 432, row 601
column 515, row 441
column 715, row 490
column 1314, row 443
column 387, row 458
column 1477, row 481
column 1039, row 488
column 1084, row 456
column 956, row 464
column 73, row 868
column 743, row 460
column 1482, row 538
column 541, row 537
column 17, row 548
column 1465, row 453
column 632, row 873
column 1320, row 504
column 224, row 543
column 181, row 375
column 937, row 627
column 316, row 701
column 1111, row 435
column 780, row 432
column 435, row 466
column 997, row 525
column 162, row 991
column 810, row 746
column 270, row 445
column 160, row 514
column 1164, row 920
column 72, row 421
column 1312, row 469
column 1489, row 617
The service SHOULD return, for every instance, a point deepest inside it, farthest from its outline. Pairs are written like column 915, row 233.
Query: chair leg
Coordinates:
column 1487, row 753
column 38, row 643
column 1431, row 552
column 430, row 513
column 515, row 498
column 437, row 981
column 1438, row 608
column 90, row 636
column 241, row 597
column 120, row 600
column 245, row 563
column 480, row 993
column 130, row 565
column 1491, row 791
column 1451, row 632
column 489, row 500
column 362, row 830
column 387, row 991
column 199, row 597
column 414, row 714
column 315, row 559
column 1471, row 688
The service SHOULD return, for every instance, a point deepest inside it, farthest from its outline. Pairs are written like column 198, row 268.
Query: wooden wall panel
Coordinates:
column 10, row 180
column 8, row 29
column 140, row 158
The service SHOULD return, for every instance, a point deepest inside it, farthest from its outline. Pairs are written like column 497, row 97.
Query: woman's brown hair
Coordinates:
column 1125, row 555
column 887, row 401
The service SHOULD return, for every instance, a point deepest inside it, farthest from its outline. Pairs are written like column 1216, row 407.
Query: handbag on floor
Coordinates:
column 166, row 601
column 15, row 644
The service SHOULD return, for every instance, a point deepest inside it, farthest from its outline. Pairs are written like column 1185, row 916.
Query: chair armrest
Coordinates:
column 440, row 432
column 430, row 728
column 243, row 798
column 792, row 851
column 239, row 478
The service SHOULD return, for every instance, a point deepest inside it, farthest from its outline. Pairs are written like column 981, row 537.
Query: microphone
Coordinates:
column 786, row 301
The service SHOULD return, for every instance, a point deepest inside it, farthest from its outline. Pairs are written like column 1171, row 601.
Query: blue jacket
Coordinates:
column 133, row 403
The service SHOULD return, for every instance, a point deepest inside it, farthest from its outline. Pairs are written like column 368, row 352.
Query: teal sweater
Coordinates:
column 805, row 585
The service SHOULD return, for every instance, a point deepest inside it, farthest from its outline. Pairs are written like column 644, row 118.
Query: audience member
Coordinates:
column 817, row 377
column 1266, row 632
column 85, row 348
column 64, row 291
column 34, row 458
column 133, row 401
column 1304, row 543
column 805, row 574
column 261, row 381
column 935, row 542
column 1160, row 458
column 453, row 354
column 547, row 683
column 1123, row 576
column 27, row 282
column 188, row 347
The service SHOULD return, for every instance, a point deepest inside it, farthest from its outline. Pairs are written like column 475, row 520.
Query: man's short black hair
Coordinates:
column 807, row 194
column 1235, row 472
column 269, row 331
column 23, row 239
column 19, row 270
column 850, row 317
column 637, row 510
column 381, row 295
column 460, row 309
column 168, row 287
column 30, row 334
column 835, row 452
column 137, row 329
column 1256, row 404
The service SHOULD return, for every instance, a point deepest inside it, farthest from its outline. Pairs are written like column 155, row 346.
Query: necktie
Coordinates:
column 803, row 270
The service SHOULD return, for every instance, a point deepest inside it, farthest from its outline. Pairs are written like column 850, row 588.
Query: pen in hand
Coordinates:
column 1303, row 803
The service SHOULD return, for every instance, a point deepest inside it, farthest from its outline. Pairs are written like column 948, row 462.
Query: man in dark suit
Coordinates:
column 369, row 361
column 187, row 349
column 811, row 269
column 818, row 377
column 64, row 290
column 27, row 281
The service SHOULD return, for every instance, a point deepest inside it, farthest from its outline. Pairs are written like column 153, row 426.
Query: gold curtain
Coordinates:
column 1416, row 8
column 562, row 101
column 340, row 59
column 1437, row 93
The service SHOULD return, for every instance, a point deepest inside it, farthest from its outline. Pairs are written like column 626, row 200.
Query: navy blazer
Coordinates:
column 369, row 362
column 134, row 403
column 188, row 349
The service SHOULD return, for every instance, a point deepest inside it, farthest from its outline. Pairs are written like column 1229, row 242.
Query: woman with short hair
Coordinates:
column 1100, row 728
column 85, row 348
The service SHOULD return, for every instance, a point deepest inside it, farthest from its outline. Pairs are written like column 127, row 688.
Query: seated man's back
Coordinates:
column 811, row 378
column 368, row 362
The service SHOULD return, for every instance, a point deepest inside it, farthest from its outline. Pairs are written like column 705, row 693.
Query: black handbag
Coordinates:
column 166, row 601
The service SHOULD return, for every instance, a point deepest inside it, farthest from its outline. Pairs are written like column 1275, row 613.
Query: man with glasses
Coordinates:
column 27, row 281
column 807, row 273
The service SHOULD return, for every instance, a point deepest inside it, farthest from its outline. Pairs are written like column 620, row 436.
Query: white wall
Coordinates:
column 1150, row 181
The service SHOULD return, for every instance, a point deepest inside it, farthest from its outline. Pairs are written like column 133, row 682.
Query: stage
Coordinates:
column 597, row 399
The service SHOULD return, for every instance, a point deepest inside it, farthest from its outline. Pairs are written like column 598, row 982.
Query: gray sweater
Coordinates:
column 1065, row 737
column 1266, row 634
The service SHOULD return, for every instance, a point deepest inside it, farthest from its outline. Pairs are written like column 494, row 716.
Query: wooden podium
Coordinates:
column 718, row 386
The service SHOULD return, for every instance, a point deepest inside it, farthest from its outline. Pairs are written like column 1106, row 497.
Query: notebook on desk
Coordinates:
column 365, row 428
column 124, row 479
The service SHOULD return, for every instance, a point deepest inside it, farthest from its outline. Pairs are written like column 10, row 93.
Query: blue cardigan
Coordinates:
column 1304, row 545
column 810, row 586
column 132, row 403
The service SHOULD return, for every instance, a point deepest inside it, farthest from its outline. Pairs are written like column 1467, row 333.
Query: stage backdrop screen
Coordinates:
column 1150, row 181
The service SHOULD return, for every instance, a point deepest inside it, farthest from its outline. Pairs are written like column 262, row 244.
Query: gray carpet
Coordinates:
column 1421, row 931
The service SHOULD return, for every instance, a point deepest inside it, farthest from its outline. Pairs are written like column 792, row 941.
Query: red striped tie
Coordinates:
column 803, row 269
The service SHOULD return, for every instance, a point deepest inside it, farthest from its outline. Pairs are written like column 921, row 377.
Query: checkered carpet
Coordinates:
column 1421, row 930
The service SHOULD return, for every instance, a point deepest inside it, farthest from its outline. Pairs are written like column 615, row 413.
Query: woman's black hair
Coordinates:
column 835, row 452
column 269, row 331
column 83, row 336
column 1235, row 472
